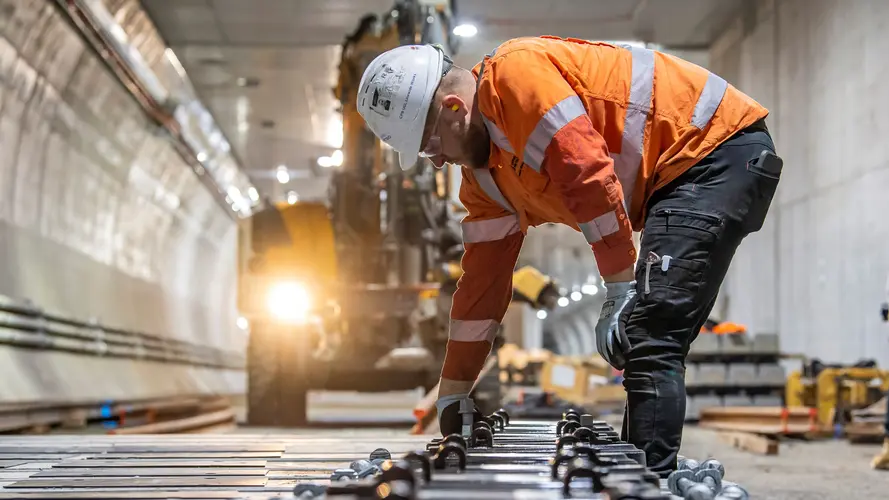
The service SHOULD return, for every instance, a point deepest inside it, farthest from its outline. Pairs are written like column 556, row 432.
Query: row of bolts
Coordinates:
column 692, row 480
column 703, row 481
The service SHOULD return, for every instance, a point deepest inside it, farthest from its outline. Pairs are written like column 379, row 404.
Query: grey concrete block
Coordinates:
column 710, row 374
column 706, row 343
column 694, row 405
column 771, row 374
column 737, row 400
column 767, row 400
column 692, row 412
column 766, row 343
column 741, row 374
column 736, row 344
column 691, row 374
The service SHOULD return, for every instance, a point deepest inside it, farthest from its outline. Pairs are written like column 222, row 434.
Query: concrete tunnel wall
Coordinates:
column 816, row 272
column 100, row 218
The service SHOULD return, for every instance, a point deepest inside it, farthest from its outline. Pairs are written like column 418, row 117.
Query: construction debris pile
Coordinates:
column 504, row 458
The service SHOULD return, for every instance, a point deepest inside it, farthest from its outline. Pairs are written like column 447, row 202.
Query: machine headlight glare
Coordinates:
column 289, row 301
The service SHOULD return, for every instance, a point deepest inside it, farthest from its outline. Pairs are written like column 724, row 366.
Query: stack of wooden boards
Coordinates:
column 733, row 370
column 869, row 424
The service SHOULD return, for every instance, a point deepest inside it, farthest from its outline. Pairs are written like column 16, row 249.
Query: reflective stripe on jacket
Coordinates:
column 583, row 133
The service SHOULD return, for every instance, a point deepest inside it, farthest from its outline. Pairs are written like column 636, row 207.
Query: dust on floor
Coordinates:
column 823, row 470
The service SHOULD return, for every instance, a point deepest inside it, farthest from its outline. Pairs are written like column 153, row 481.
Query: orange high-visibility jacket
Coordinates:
column 582, row 134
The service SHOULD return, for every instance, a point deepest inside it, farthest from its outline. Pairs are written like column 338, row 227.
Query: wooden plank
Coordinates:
column 134, row 464
column 760, row 420
column 150, row 472
column 876, row 410
column 180, row 425
column 865, row 432
column 756, row 428
column 753, row 443
column 216, row 429
column 142, row 482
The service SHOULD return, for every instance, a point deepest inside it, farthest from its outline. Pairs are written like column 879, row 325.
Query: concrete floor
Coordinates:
column 823, row 470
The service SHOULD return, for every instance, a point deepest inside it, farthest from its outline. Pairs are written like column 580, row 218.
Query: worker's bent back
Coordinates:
column 658, row 114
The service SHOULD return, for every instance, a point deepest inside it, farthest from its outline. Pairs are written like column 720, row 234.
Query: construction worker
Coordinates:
column 606, row 139
column 881, row 461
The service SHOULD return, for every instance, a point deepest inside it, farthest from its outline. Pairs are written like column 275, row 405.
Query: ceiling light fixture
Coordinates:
column 247, row 82
column 541, row 314
column 292, row 197
column 325, row 161
column 337, row 158
column 465, row 30
column 563, row 302
column 282, row 175
column 202, row 157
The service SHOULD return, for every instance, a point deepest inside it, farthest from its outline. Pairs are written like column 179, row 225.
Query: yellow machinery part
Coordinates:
column 821, row 393
column 799, row 392
column 312, row 253
column 529, row 283
column 453, row 270
column 286, row 242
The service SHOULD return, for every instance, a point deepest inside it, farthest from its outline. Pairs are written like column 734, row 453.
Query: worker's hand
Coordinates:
column 611, row 341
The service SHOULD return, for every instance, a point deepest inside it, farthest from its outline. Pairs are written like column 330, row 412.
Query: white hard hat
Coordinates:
column 395, row 93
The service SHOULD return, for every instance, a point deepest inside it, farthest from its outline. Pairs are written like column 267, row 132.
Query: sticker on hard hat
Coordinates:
column 386, row 84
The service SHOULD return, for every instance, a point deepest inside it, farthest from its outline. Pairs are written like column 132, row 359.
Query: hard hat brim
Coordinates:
column 408, row 160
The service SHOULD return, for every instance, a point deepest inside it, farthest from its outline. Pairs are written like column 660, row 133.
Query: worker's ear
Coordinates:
column 454, row 108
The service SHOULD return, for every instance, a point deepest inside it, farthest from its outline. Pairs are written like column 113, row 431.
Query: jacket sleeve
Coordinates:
column 492, row 239
column 546, row 122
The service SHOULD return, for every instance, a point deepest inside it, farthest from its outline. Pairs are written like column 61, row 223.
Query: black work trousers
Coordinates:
column 886, row 423
column 692, row 229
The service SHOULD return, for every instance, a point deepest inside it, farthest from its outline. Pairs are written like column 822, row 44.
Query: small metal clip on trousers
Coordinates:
column 651, row 260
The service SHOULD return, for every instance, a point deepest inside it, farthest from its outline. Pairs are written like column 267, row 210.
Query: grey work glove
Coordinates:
column 611, row 341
